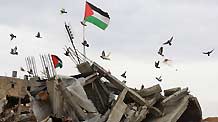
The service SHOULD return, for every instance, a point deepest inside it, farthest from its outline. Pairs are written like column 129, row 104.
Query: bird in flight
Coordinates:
column 84, row 43
column 38, row 35
column 67, row 52
column 160, row 52
column 14, row 51
column 123, row 75
column 63, row 11
column 12, row 36
column 22, row 69
column 157, row 64
column 169, row 41
column 30, row 71
column 103, row 56
column 208, row 53
column 159, row 78
column 167, row 61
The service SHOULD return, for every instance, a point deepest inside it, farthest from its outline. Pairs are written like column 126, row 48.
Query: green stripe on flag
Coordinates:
column 96, row 22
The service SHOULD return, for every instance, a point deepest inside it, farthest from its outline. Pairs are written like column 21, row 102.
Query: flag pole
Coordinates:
column 52, row 66
column 84, row 47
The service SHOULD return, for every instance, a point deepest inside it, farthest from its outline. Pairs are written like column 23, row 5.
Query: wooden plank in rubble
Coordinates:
column 172, row 113
column 119, row 108
column 118, row 84
column 171, row 91
column 150, row 91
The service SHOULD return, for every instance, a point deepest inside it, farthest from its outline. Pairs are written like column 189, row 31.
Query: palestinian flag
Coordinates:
column 56, row 61
column 96, row 16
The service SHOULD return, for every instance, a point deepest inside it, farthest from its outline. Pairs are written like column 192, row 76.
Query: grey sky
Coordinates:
column 136, row 31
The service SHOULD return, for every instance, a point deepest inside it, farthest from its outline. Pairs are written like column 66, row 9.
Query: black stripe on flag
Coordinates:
column 99, row 10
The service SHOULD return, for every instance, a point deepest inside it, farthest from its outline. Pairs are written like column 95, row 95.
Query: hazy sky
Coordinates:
column 136, row 31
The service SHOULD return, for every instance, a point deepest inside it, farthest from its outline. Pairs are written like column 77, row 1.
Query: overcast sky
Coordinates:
column 136, row 31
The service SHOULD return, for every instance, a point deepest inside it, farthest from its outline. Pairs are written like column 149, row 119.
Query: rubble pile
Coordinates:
column 95, row 95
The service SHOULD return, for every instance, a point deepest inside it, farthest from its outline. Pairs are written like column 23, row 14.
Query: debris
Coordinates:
column 95, row 95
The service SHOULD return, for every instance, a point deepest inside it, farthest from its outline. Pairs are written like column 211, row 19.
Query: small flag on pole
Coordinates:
column 56, row 61
column 96, row 16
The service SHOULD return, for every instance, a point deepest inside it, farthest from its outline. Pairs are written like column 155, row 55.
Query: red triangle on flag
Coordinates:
column 88, row 11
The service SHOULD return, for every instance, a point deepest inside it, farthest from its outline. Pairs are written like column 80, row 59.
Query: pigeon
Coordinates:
column 14, row 51
column 142, row 87
column 67, row 52
column 159, row 79
column 208, row 53
column 22, row 69
column 169, row 41
column 30, row 71
column 103, row 56
column 124, row 81
column 83, row 23
column 160, row 52
column 167, row 61
column 157, row 64
column 84, row 43
column 63, row 11
column 38, row 35
column 123, row 75
column 12, row 36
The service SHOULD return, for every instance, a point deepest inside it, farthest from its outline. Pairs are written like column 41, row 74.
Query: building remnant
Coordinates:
column 91, row 97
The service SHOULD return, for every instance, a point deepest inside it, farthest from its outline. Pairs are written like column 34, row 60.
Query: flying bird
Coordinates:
column 123, row 75
column 169, row 41
column 67, row 52
column 160, row 52
column 30, row 71
column 103, row 56
column 208, row 53
column 63, row 11
column 38, row 35
column 12, row 36
column 157, row 64
column 167, row 61
column 84, row 43
column 14, row 51
column 22, row 69
column 159, row 78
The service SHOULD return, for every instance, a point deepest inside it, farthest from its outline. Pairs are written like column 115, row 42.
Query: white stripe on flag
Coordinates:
column 102, row 18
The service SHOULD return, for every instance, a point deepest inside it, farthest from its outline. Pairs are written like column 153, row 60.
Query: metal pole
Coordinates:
column 43, row 66
column 84, row 47
column 34, row 63
column 71, row 40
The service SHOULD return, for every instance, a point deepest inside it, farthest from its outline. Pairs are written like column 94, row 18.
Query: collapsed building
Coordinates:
column 95, row 95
